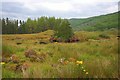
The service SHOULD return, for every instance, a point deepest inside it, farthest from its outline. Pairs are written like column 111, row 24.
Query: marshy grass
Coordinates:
column 99, row 56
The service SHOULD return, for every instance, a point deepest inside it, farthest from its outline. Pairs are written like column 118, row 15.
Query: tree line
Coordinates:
column 61, row 27
column 31, row 26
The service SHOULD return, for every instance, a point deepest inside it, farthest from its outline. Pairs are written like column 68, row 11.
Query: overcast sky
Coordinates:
column 22, row 9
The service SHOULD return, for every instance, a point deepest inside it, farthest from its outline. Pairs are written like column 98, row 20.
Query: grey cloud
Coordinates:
column 12, row 7
column 19, row 10
column 93, row 9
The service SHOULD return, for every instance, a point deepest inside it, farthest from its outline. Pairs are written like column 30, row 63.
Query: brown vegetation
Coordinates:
column 72, row 39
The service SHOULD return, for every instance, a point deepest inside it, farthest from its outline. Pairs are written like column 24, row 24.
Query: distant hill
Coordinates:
column 101, row 22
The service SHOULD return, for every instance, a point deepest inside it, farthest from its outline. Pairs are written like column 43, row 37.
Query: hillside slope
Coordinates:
column 101, row 22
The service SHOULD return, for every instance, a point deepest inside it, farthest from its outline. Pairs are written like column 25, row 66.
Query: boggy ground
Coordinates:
column 94, row 56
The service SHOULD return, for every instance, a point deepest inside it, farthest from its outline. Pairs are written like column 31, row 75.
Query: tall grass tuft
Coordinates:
column 7, row 50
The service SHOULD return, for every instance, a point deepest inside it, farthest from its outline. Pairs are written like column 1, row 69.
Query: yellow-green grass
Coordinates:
column 99, row 56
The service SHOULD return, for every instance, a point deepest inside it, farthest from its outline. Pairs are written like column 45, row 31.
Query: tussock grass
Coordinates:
column 7, row 50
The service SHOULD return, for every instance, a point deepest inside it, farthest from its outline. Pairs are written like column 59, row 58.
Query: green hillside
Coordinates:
column 101, row 22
